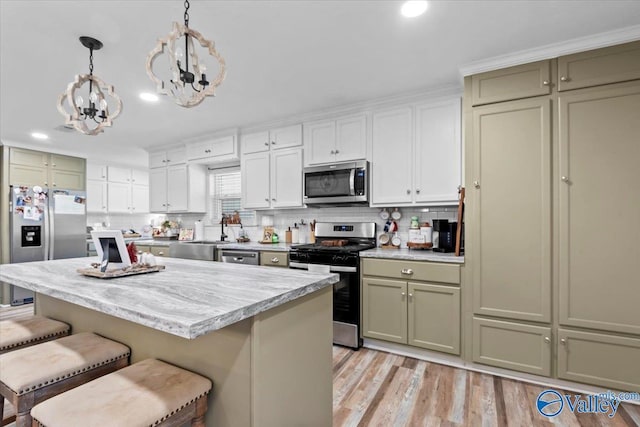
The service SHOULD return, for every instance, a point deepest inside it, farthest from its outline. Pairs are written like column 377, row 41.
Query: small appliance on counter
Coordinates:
column 446, row 235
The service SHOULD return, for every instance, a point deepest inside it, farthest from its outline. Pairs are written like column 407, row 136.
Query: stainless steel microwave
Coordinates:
column 339, row 183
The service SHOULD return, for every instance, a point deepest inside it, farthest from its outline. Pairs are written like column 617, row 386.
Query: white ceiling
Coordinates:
column 284, row 57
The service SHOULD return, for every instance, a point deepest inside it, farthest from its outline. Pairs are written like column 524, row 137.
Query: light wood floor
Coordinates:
column 374, row 388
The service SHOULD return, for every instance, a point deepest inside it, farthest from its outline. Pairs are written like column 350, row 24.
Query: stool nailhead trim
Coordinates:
column 43, row 337
column 71, row 374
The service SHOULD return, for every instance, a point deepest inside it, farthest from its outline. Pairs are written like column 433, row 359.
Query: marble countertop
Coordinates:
column 412, row 255
column 188, row 299
column 257, row 246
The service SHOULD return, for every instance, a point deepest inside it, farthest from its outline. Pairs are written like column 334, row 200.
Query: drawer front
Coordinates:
column 159, row 250
column 599, row 67
column 521, row 81
column 412, row 270
column 274, row 259
column 599, row 359
column 143, row 248
column 511, row 345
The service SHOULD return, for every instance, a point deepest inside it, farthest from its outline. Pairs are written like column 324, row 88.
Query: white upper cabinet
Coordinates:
column 341, row 140
column 127, row 190
column 170, row 157
column 416, row 156
column 96, row 172
column 215, row 150
column 255, row 180
column 116, row 174
column 96, row 196
column 178, row 188
column 284, row 137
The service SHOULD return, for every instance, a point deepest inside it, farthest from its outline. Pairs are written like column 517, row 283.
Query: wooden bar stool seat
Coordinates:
column 147, row 393
column 19, row 333
column 33, row 374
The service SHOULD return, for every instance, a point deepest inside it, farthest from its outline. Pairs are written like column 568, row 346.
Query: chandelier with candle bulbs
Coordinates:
column 90, row 118
column 187, row 84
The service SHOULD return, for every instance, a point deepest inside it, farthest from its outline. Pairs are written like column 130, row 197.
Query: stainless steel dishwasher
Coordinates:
column 240, row 256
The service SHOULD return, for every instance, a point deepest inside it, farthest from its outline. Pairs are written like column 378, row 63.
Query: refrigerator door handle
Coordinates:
column 50, row 230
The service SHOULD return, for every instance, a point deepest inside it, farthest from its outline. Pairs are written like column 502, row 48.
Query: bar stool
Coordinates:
column 147, row 393
column 19, row 333
column 33, row 374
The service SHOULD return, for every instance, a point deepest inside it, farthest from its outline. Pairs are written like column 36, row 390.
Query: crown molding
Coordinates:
column 580, row 44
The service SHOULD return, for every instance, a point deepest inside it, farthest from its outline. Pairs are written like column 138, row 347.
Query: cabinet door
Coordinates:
column 158, row 190
column 521, row 81
column 139, row 198
column 320, row 142
column 286, row 178
column 512, row 345
column 511, row 238
column 96, row 172
column 199, row 150
column 119, row 197
column 139, row 177
column 438, row 158
column 255, row 142
column 255, row 180
column 285, row 137
column 28, row 175
column 116, row 174
column 68, row 163
column 599, row 67
column 274, row 259
column 177, row 188
column 67, row 180
column 351, row 138
column 384, row 309
column 224, row 148
column 158, row 160
column 96, row 196
column 434, row 317
column 176, row 156
column 599, row 359
column 392, row 157
column 599, row 192
column 35, row 159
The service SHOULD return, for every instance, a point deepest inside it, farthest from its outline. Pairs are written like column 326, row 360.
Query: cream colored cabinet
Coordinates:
column 274, row 259
column 221, row 149
column 340, row 140
column 507, row 84
column 599, row 67
column 512, row 249
column 175, row 156
column 157, row 250
column 284, row 137
column 602, row 359
column 96, row 196
column 179, row 188
column 416, row 155
column 29, row 167
column 598, row 171
column 272, row 179
column 405, row 311
column 518, row 346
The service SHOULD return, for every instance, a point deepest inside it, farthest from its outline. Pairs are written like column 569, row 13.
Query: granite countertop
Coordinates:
column 188, row 299
column 412, row 255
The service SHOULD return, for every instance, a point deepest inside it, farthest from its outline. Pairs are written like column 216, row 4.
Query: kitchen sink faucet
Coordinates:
column 222, row 222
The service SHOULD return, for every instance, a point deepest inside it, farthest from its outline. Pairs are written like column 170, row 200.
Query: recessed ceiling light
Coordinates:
column 149, row 97
column 413, row 8
column 39, row 135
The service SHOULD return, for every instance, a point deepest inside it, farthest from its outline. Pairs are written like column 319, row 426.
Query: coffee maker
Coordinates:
column 446, row 235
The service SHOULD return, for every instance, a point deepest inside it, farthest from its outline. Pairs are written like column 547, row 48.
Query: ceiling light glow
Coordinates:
column 39, row 135
column 413, row 8
column 149, row 97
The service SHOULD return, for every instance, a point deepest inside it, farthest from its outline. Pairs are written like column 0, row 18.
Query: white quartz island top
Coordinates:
column 412, row 255
column 187, row 299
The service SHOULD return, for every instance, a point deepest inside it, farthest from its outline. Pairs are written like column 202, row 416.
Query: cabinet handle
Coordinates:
column 273, row 200
column 565, row 79
column 476, row 184
column 46, row 183
column 337, row 151
column 53, row 165
column 406, row 271
column 275, row 260
column 333, row 152
column 266, row 199
column 403, row 294
column 408, row 191
column 164, row 161
column 164, row 204
column 563, row 341
column 565, row 179
column 410, row 295
column 545, row 83
column 273, row 143
column 161, row 253
column 104, row 207
column 547, row 340
column 417, row 191
column 46, row 164
column 266, row 144
column 54, row 184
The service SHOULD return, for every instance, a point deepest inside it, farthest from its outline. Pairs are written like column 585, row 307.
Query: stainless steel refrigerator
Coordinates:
column 45, row 224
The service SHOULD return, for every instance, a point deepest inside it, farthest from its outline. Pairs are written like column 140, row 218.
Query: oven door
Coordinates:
column 346, row 302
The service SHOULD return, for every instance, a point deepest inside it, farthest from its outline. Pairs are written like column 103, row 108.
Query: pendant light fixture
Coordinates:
column 187, row 83
column 97, row 108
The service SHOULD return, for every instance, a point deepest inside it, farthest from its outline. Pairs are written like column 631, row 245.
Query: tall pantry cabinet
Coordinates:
column 554, row 203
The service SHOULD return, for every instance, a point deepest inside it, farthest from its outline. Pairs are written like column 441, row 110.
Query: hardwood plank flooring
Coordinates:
column 374, row 388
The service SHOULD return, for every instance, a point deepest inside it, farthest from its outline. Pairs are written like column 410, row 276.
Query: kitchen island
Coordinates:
column 262, row 336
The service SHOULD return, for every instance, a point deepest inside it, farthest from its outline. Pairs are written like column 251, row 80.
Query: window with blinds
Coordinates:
column 225, row 194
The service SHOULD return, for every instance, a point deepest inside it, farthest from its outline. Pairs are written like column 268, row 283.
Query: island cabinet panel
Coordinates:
column 521, row 81
column 581, row 356
column 384, row 309
column 599, row 67
column 512, row 161
column 511, row 345
column 599, row 153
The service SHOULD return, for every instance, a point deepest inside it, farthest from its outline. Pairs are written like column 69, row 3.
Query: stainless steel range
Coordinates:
column 337, row 250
